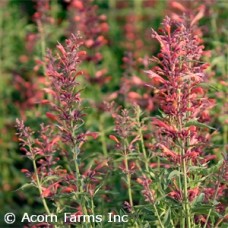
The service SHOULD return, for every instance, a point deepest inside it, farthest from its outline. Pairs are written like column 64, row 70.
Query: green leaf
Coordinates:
column 152, row 174
column 49, row 178
column 206, row 85
column 167, row 217
column 195, row 168
column 201, row 209
column 214, row 169
column 204, row 209
column 198, row 124
column 199, row 199
column 98, row 188
column 23, row 187
column 173, row 174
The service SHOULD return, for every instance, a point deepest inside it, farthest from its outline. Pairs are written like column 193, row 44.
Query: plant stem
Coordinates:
column 143, row 148
column 158, row 216
column 138, row 7
column 128, row 174
column 146, row 160
column 128, row 178
column 42, row 43
column 102, row 132
column 40, row 187
column 184, row 168
column 187, row 209
column 112, row 4
column 92, row 209
column 78, row 177
column 225, row 137
column 214, row 199
column 220, row 220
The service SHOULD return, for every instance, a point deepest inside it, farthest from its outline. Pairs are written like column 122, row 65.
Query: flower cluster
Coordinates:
column 63, row 73
column 180, row 96
column 62, row 138
column 93, row 27
column 181, row 132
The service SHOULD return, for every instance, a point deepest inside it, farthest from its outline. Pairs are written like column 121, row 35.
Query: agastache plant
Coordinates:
column 55, row 149
column 181, row 134
column 162, row 169
column 68, row 112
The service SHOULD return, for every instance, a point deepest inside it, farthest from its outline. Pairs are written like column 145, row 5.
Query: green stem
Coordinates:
column 40, row 188
column 225, row 137
column 146, row 160
column 187, row 209
column 128, row 178
column 214, row 199
column 78, row 177
column 158, row 216
column 112, row 4
column 128, row 174
column 184, row 169
column 92, row 209
column 103, row 141
column 1, row 41
column 138, row 7
column 143, row 149
column 42, row 43
column 221, row 220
